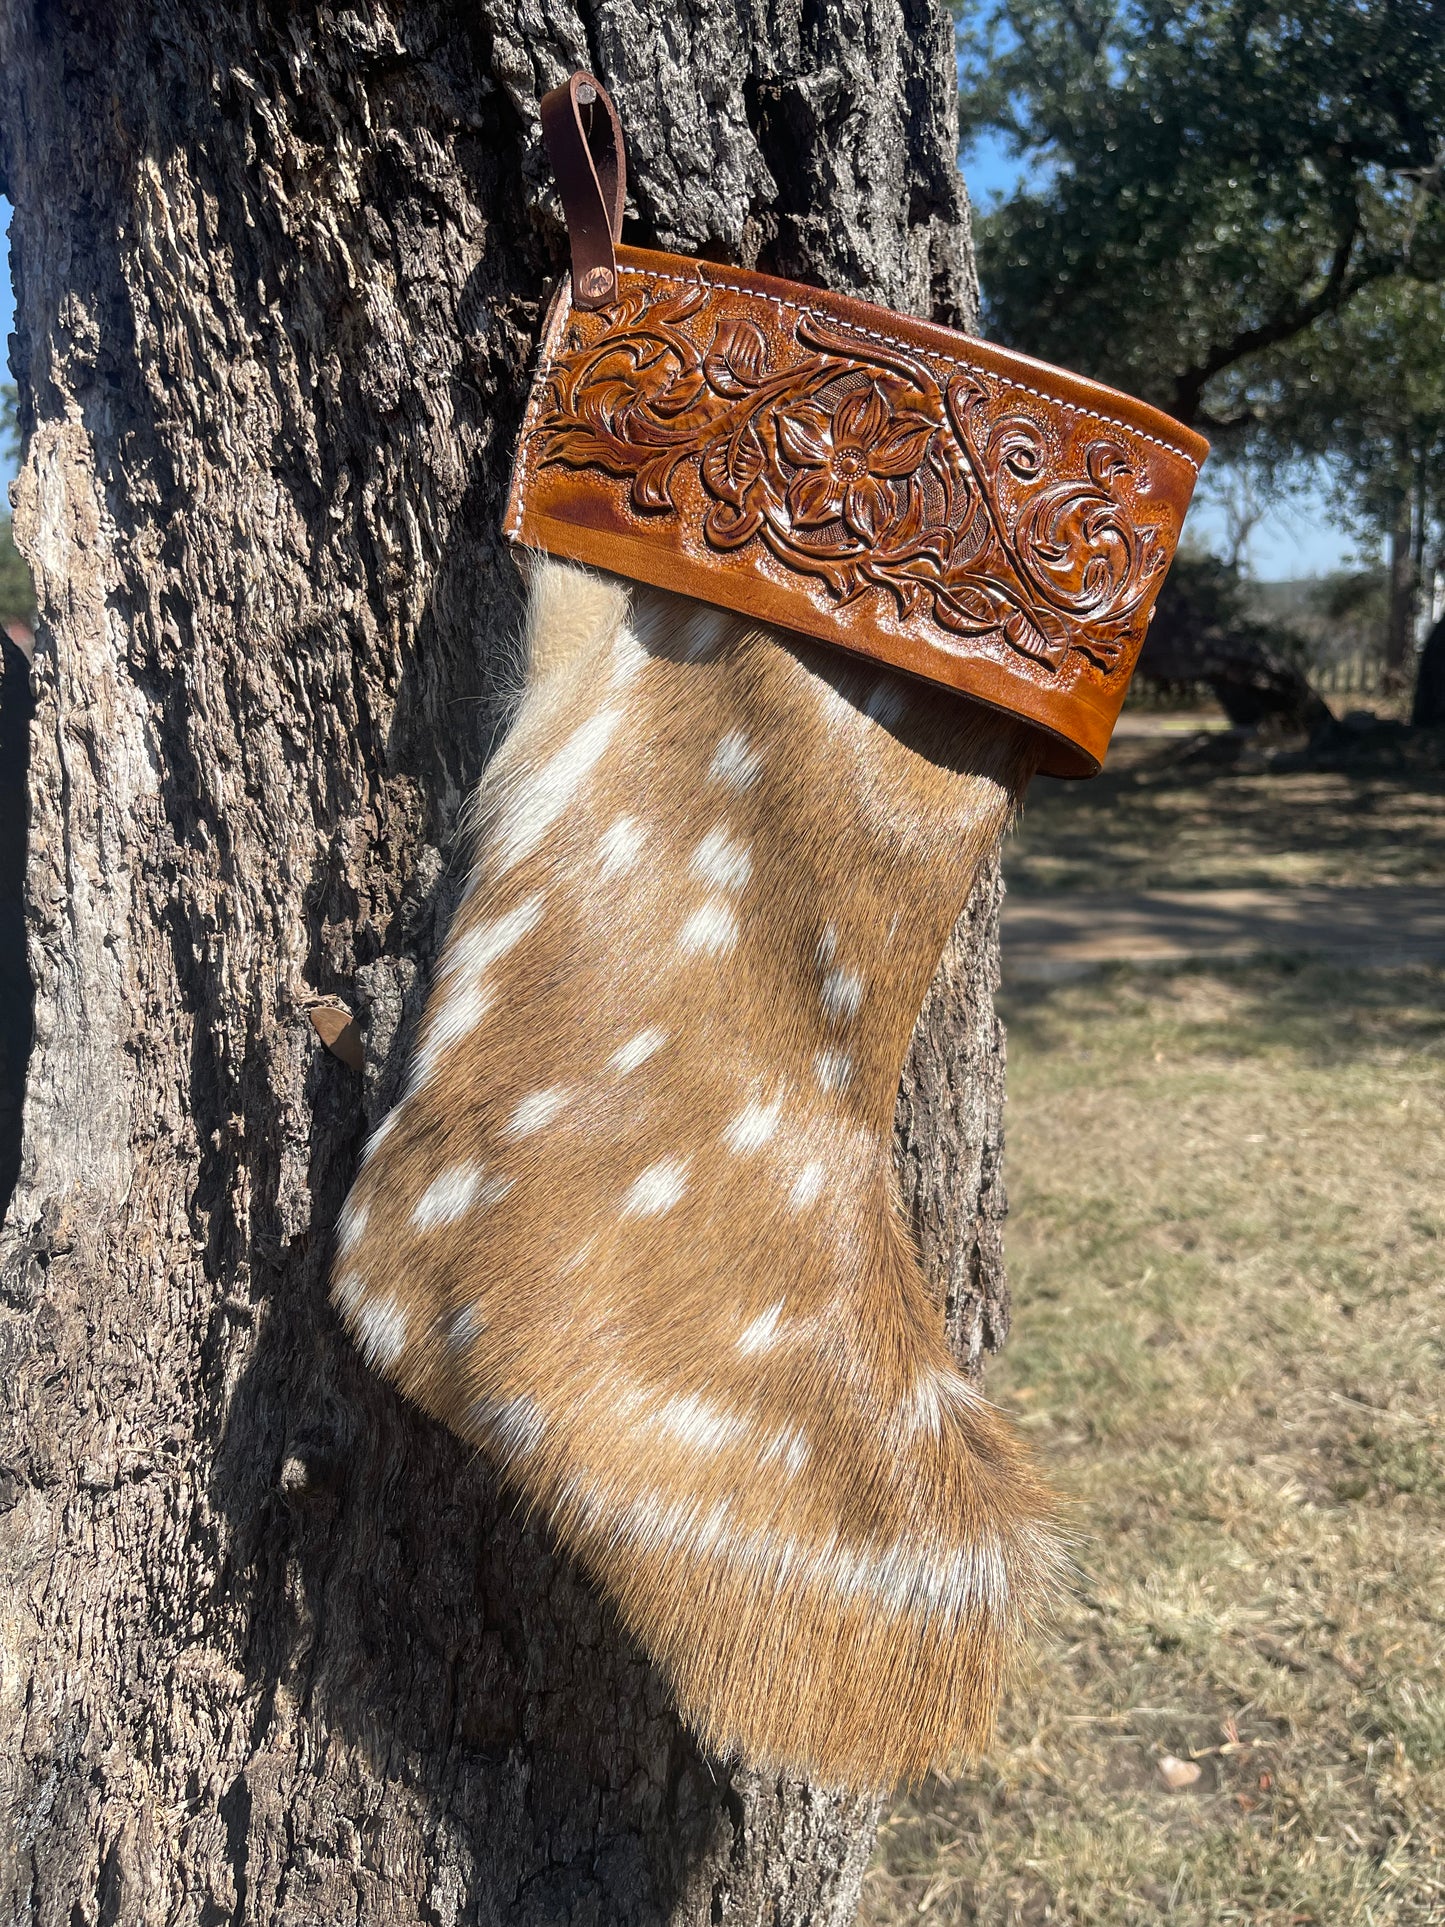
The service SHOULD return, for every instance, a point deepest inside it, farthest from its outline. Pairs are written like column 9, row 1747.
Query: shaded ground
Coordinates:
column 1228, row 1188
column 1155, row 820
column 1058, row 934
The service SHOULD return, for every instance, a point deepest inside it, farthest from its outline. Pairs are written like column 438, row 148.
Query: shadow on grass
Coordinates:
column 1318, row 1012
column 1160, row 817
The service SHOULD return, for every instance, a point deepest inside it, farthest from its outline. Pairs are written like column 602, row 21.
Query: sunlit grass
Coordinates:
column 1228, row 1200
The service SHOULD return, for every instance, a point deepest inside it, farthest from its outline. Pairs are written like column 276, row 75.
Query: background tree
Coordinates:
column 17, row 598
column 1203, row 631
column 275, row 1652
column 1236, row 210
column 1428, row 710
column 1365, row 390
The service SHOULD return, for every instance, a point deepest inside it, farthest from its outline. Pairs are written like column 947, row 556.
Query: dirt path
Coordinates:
column 1050, row 937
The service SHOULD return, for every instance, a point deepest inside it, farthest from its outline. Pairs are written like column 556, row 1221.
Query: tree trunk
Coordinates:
column 274, row 1649
column 1400, row 621
column 1428, row 711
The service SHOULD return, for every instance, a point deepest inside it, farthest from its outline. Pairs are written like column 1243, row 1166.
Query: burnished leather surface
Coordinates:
column 941, row 505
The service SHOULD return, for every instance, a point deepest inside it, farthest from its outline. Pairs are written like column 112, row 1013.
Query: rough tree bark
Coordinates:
column 273, row 1649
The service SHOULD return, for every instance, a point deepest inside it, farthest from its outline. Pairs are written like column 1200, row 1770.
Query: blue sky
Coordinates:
column 1302, row 540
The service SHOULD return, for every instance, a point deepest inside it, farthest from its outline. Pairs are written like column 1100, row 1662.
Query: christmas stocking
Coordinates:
column 813, row 591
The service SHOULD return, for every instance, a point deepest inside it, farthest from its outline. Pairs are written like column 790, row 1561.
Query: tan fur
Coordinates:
column 634, row 1229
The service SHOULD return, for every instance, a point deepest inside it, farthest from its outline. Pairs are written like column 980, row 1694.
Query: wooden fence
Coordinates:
column 1358, row 675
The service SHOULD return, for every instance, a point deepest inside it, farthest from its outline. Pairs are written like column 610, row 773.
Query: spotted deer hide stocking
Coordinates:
column 633, row 1227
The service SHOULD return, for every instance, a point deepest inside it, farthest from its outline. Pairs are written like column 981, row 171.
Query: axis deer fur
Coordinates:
column 633, row 1226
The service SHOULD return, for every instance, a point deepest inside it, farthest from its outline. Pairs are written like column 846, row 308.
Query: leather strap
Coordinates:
column 592, row 190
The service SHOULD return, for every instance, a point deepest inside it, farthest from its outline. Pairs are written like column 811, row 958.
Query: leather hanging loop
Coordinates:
column 592, row 190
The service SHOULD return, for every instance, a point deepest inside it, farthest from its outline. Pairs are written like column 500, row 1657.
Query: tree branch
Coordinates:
column 1336, row 288
column 1087, row 35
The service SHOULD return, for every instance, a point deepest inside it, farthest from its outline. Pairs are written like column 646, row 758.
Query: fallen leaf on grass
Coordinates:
column 1178, row 1774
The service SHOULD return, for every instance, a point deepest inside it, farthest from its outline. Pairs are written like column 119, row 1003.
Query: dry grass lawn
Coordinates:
column 1149, row 823
column 1228, row 1195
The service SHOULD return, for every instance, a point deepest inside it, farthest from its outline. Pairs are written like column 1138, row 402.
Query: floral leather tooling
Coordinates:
column 942, row 505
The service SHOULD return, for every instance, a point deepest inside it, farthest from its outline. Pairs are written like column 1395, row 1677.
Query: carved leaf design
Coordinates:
column 853, row 464
column 736, row 361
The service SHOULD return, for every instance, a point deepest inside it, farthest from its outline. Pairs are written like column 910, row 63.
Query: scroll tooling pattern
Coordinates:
column 937, row 504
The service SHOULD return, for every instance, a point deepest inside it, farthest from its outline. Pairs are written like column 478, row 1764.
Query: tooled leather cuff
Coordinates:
column 946, row 507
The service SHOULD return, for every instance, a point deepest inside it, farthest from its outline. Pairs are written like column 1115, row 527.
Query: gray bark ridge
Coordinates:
column 274, row 1650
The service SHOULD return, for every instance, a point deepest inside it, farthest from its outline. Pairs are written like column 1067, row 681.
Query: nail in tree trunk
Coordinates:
column 275, row 1650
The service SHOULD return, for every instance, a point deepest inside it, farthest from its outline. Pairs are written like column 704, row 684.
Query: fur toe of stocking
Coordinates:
column 633, row 1227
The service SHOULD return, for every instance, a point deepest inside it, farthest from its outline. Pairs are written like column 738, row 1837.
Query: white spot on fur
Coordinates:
column 458, row 1014
column 638, row 1049
column 702, row 634
column 753, row 1125
column 380, row 1325
column 628, row 656
column 513, row 1426
column 842, row 994
column 658, row 1189
column 698, row 1424
column 734, row 764
column 620, row 845
column 807, row 1186
column 833, row 1070
column 537, row 1110
column 448, row 1197
column 579, row 1256
column 762, row 1334
column 538, row 801
column 479, row 946
column 464, row 1328
column 838, row 700
column 710, row 929
column 933, row 1389
column 922, row 1409
column 583, row 1497
column 887, row 702
column 351, row 1226
column 791, row 1446
column 379, row 1136
column 472, row 953
column 722, row 859
column 911, row 1575
column 348, row 1291
column 827, row 945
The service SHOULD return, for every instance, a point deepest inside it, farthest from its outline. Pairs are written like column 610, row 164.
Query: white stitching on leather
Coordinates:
column 909, row 348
